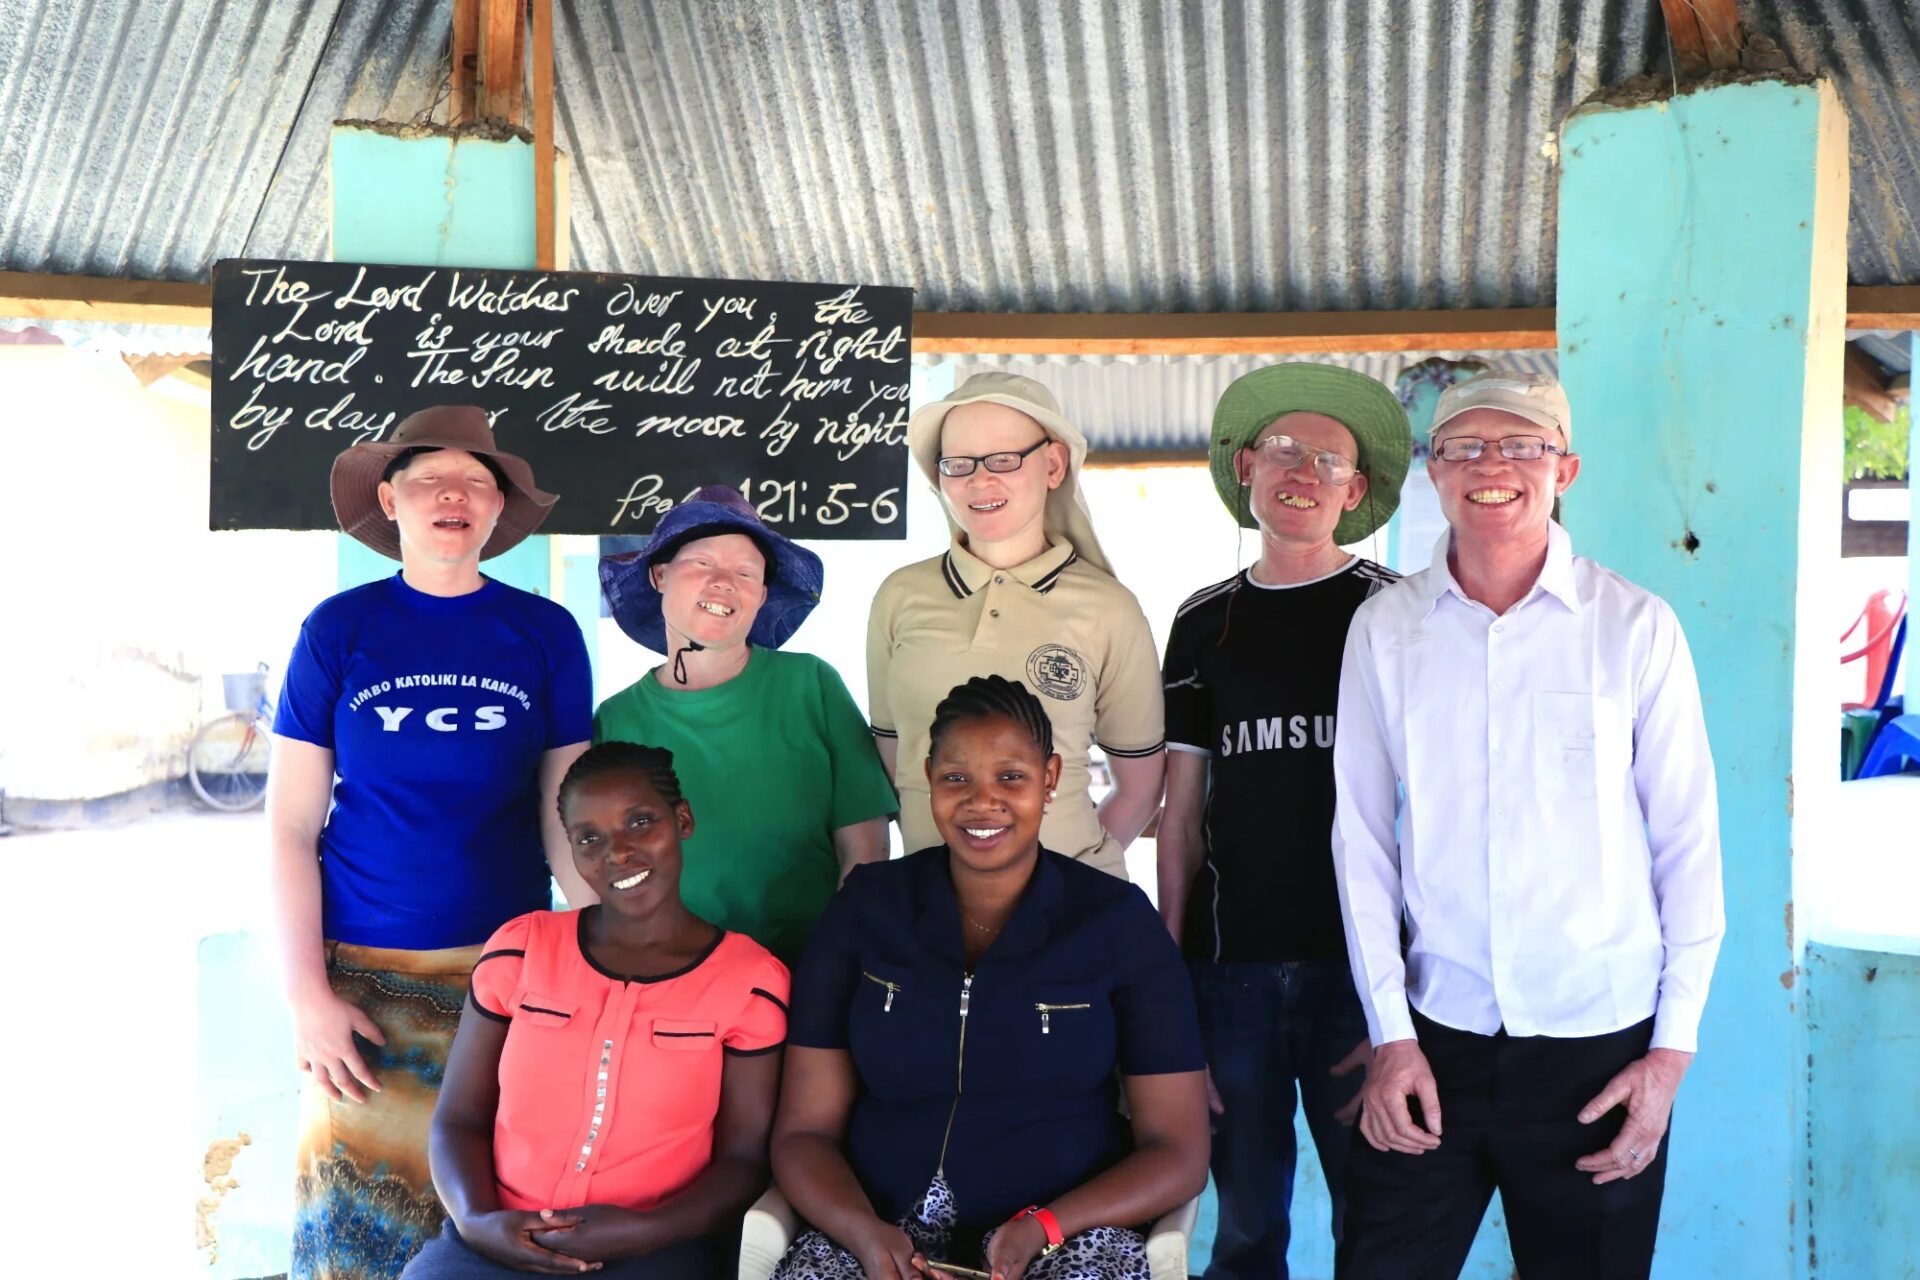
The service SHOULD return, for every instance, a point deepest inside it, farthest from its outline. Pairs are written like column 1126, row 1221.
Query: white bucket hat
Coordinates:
column 1067, row 516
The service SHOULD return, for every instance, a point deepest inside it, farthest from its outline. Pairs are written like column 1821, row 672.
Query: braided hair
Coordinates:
column 653, row 763
column 988, row 698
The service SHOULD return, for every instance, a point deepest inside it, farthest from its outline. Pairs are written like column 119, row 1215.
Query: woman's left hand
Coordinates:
column 1014, row 1248
column 603, row 1232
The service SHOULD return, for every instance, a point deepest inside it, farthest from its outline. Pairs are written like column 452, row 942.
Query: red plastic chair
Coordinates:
column 1881, row 618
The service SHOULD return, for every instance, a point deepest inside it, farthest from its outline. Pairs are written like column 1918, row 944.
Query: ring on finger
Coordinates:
column 1633, row 1157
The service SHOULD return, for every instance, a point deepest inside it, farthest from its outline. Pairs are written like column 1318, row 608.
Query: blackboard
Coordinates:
column 624, row 393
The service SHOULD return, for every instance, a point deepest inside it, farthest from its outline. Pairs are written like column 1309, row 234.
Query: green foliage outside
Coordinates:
column 1876, row 450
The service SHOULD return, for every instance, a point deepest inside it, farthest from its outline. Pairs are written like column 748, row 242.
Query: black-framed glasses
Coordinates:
column 1513, row 448
column 959, row 465
column 1287, row 453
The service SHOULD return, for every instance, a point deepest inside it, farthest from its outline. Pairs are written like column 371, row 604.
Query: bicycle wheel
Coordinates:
column 227, row 763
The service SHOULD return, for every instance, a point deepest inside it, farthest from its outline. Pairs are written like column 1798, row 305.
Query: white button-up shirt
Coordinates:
column 1556, row 868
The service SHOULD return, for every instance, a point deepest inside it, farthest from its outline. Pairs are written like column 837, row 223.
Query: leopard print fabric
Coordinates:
column 1103, row 1253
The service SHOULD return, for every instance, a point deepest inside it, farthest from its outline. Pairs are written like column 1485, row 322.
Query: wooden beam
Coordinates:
column 463, row 78
column 1705, row 34
column 501, row 65
column 543, row 134
column 1230, row 333
column 1894, row 307
column 1883, row 307
column 46, row 297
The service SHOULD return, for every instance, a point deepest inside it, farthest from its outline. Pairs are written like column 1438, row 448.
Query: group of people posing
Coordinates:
column 1438, row 863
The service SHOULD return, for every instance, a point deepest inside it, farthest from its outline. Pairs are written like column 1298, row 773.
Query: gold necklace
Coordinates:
column 972, row 923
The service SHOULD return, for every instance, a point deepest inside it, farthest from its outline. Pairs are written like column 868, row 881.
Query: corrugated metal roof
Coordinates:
column 148, row 140
column 1099, row 156
column 1036, row 155
column 1871, row 49
column 1164, row 404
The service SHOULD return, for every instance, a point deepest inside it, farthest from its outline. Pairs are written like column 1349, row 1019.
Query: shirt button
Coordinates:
column 999, row 578
column 993, row 613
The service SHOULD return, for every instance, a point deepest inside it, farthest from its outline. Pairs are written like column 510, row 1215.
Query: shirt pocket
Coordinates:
column 882, row 986
column 536, row 1010
column 1564, row 758
column 1069, row 1034
column 677, row 1036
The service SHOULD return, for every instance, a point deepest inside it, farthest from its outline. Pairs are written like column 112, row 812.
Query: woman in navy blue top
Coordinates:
column 957, row 1020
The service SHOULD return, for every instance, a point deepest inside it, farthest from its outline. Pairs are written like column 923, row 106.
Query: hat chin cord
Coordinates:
column 680, row 658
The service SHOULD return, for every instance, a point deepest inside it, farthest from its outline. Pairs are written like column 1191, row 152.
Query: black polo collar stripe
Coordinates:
column 1050, row 581
column 955, row 582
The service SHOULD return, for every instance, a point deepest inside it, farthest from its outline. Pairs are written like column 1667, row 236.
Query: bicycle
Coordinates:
column 227, row 761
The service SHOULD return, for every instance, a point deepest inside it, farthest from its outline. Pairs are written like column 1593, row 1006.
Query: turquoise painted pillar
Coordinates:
column 436, row 200
column 1702, row 275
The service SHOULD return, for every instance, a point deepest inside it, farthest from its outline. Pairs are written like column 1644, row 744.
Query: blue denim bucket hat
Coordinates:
column 795, row 575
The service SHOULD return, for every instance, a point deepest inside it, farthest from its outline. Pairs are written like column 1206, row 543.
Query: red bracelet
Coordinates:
column 1048, row 1223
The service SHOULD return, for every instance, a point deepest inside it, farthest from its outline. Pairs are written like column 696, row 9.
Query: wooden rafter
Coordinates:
column 464, row 103
column 1892, row 307
column 1230, row 333
column 501, row 47
column 1706, row 35
column 543, row 177
column 47, row 297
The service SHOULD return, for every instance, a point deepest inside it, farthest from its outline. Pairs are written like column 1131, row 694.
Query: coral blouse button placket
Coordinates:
column 611, row 1031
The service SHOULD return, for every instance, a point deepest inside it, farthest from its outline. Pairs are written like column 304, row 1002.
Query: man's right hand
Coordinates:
column 323, row 1031
column 886, row 1253
column 1400, row 1071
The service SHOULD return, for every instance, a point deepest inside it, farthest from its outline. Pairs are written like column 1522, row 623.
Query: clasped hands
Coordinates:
column 555, row 1242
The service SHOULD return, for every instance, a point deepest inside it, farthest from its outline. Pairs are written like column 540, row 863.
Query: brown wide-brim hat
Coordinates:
column 356, row 478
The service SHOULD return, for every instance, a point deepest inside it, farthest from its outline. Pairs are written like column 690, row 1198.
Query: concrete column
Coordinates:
column 408, row 197
column 1702, row 309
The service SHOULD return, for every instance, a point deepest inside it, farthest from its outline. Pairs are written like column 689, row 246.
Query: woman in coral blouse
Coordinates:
column 611, row 1088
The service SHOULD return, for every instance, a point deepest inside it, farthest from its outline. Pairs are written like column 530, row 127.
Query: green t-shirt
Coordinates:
column 773, row 762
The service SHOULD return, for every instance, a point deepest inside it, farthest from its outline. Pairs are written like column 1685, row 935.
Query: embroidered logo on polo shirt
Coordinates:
column 1057, row 671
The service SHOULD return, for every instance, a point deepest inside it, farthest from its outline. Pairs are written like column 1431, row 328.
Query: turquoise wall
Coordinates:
column 1690, row 278
column 1863, row 1018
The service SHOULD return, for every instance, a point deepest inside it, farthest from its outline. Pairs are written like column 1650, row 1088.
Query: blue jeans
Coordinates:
column 1268, row 1028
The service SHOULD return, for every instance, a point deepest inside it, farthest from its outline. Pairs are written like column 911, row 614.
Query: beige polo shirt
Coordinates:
column 1065, row 629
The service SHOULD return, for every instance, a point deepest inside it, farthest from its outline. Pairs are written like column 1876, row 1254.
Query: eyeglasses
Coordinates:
column 1000, row 463
column 1287, row 453
column 1514, row 448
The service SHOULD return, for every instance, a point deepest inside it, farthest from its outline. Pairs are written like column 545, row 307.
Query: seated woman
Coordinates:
column 950, row 1095
column 610, row 1089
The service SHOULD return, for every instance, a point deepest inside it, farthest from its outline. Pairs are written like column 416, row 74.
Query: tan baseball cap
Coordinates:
column 1537, row 397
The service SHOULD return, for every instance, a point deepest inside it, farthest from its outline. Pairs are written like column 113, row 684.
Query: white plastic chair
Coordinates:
column 771, row 1226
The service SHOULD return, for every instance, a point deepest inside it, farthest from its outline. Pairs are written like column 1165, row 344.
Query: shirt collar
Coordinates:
column 966, row 573
column 1556, row 575
column 937, row 913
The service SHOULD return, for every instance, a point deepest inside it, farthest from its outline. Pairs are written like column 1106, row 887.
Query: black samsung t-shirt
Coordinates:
column 1253, row 679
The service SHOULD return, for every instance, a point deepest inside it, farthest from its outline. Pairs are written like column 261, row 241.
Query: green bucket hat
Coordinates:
column 1359, row 403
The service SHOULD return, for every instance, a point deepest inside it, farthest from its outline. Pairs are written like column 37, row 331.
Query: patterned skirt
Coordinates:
column 363, row 1198
column 1101, row 1253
